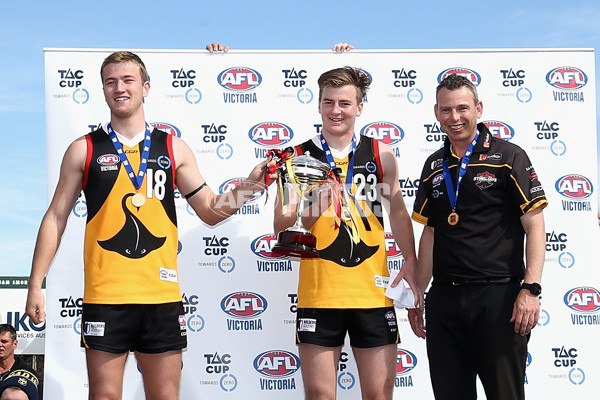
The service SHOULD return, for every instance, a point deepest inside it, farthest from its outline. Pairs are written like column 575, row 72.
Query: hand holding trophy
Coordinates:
column 304, row 173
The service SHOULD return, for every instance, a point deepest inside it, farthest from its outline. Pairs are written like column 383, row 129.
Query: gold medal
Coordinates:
column 138, row 200
column 453, row 218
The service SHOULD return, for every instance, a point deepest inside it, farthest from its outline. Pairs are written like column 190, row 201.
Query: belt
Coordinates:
column 483, row 281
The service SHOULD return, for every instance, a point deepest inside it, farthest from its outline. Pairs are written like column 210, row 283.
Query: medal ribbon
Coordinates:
column 139, row 179
column 464, row 164
column 281, row 156
column 344, row 201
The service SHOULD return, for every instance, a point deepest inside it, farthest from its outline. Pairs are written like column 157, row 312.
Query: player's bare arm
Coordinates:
column 53, row 225
column 212, row 208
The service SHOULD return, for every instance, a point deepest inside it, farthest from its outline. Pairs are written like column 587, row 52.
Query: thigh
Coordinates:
column 500, row 353
column 105, row 374
column 161, row 373
column 319, row 370
column 451, row 365
column 377, row 371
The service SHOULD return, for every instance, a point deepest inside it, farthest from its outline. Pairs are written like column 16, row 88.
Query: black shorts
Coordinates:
column 372, row 327
column 146, row 328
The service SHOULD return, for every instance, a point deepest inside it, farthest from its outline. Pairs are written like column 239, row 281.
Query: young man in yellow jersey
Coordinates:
column 343, row 291
column 129, row 172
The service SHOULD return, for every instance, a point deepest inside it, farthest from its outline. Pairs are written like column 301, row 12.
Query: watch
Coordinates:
column 535, row 288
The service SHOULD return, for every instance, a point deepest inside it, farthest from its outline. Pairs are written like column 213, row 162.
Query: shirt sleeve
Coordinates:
column 420, row 209
column 526, row 187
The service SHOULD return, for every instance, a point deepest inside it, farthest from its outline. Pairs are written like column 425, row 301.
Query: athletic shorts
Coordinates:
column 145, row 328
column 372, row 327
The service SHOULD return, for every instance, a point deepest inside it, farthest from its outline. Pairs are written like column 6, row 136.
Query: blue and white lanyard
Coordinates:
column 139, row 179
column 464, row 164
column 333, row 165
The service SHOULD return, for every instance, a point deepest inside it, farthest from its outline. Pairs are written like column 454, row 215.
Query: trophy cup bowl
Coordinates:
column 306, row 173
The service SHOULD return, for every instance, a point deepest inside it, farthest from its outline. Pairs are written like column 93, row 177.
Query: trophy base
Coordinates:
column 296, row 244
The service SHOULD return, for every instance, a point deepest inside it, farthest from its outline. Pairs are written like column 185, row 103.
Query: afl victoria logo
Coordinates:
column 276, row 363
column 270, row 134
column 108, row 159
column 239, row 79
column 567, row 78
column 385, row 132
column 575, row 187
column 470, row 74
column 244, row 305
column 583, row 299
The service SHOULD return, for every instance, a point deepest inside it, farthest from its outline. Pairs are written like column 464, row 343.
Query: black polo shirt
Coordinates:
column 500, row 185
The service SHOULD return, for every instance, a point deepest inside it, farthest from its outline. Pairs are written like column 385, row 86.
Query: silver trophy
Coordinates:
column 304, row 173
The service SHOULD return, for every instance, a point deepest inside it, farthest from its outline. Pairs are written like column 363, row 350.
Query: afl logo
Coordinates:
column 276, row 363
column 583, row 299
column 239, row 79
column 566, row 78
column 232, row 183
column 361, row 71
column 385, row 132
column 437, row 179
column 392, row 249
column 574, row 187
column 500, row 130
column 170, row 129
column 262, row 245
column 471, row 75
column 270, row 134
column 390, row 316
column 244, row 305
column 405, row 362
column 108, row 159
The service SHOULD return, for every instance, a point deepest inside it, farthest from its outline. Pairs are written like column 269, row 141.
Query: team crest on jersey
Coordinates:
column 343, row 251
column 133, row 240
column 485, row 180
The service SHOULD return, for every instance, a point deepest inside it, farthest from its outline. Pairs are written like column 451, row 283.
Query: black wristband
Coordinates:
column 187, row 196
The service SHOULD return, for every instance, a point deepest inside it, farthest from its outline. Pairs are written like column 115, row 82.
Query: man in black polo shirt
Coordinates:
column 479, row 197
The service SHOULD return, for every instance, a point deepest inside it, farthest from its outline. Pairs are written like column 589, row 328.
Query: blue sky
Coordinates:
column 30, row 26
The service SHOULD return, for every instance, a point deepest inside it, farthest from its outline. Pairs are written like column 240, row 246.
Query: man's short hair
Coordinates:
column 8, row 328
column 455, row 82
column 119, row 57
column 345, row 76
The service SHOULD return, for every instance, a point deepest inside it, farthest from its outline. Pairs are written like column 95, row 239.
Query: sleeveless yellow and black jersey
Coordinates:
column 349, row 274
column 130, row 253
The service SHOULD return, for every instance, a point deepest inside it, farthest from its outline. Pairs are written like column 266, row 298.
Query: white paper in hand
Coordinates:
column 401, row 294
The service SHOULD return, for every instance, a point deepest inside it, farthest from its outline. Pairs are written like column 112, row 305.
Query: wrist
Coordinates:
column 534, row 288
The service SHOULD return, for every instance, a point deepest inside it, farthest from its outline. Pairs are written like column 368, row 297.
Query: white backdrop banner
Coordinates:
column 240, row 299
column 13, row 296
